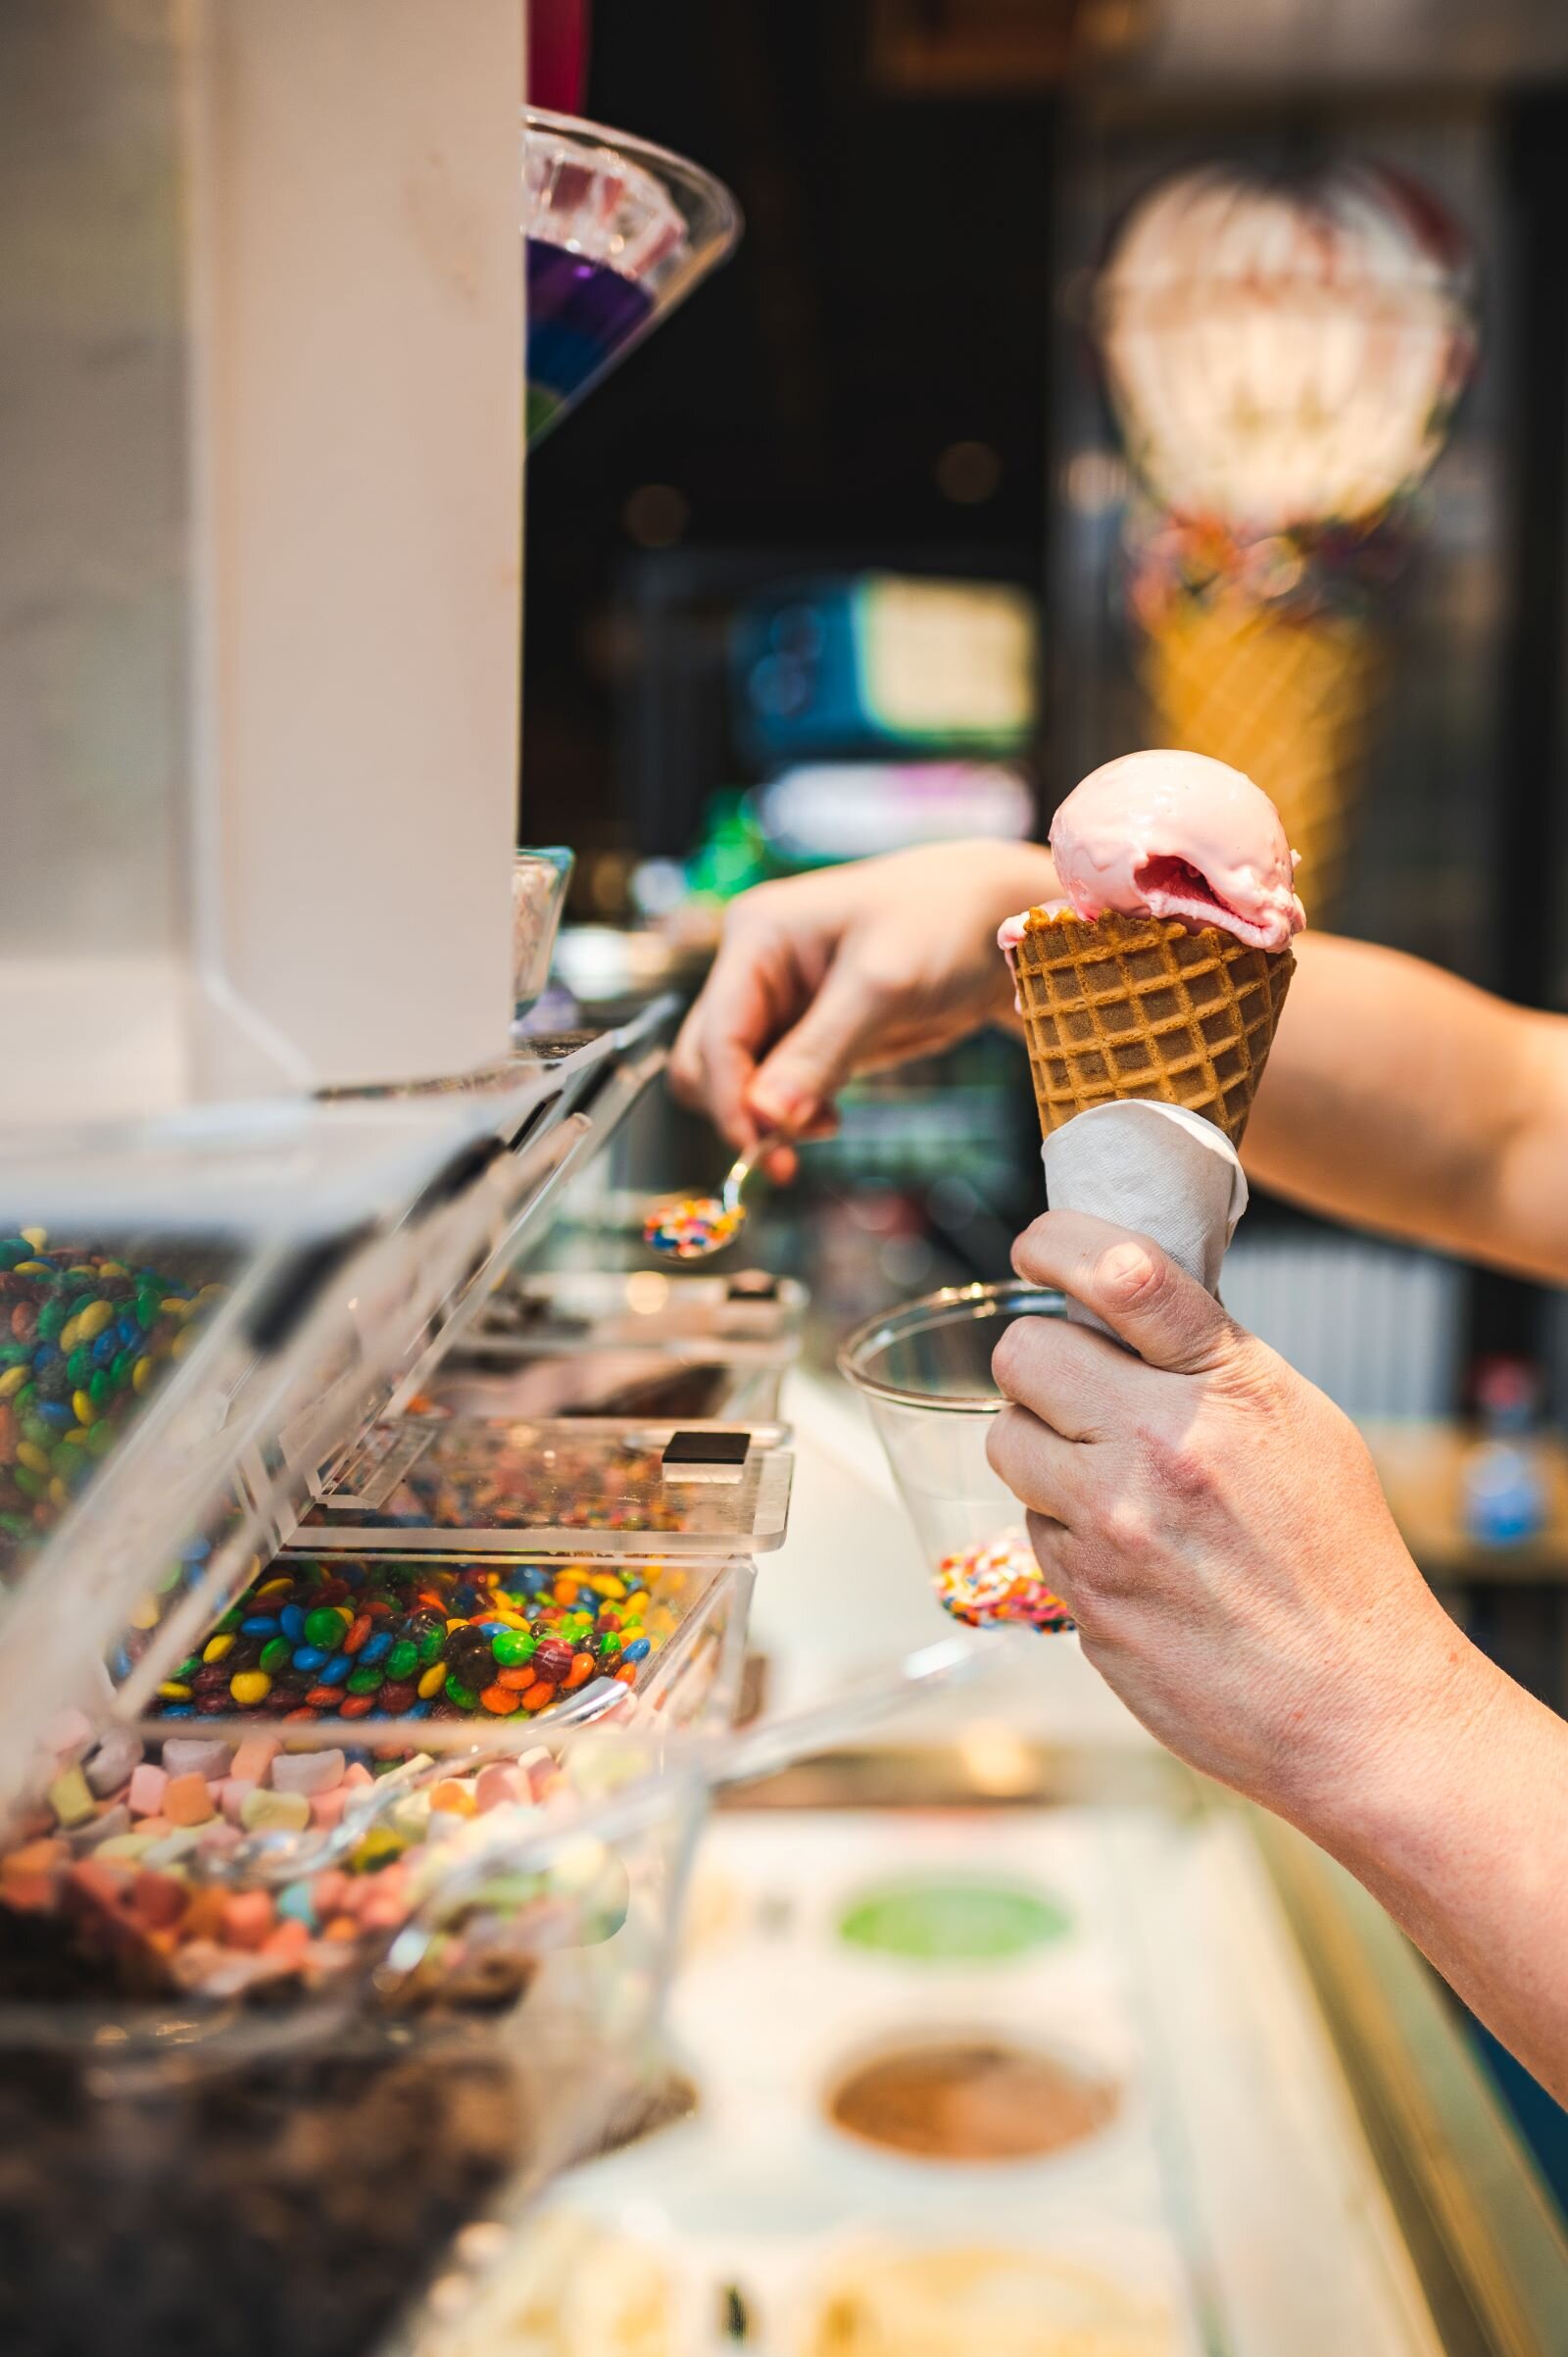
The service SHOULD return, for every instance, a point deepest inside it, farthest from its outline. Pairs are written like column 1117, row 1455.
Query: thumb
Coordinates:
column 795, row 1083
column 1137, row 1289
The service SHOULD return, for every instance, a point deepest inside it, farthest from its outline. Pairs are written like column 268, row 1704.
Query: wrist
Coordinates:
column 1379, row 1780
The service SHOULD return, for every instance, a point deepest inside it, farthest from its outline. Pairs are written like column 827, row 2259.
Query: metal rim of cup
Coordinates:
column 951, row 1304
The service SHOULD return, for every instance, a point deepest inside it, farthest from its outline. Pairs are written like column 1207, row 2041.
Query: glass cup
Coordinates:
column 924, row 1372
column 616, row 233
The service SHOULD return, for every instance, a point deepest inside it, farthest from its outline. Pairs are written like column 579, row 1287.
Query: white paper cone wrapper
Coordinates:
column 1155, row 1168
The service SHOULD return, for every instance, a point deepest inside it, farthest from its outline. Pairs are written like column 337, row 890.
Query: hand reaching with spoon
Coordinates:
column 848, row 970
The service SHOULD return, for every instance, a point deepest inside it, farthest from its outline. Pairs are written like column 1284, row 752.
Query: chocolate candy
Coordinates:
column 387, row 1637
column 83, row 1337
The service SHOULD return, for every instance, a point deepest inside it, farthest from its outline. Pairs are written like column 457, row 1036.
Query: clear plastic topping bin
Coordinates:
column 735, row 1384
column 559, row 1488
column 266, row 2159
column 260, row 2176
column 561, row 1309
column 350, row 1643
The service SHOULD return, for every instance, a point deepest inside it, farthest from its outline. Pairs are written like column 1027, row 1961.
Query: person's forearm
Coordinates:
column 1401, row 1097
column 1460, row 1827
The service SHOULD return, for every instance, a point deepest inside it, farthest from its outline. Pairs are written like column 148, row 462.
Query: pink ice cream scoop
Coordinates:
column 1175, row 834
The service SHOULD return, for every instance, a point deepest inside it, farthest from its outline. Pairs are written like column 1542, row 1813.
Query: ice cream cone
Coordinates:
column 1144, row 1006
column 1286, row 700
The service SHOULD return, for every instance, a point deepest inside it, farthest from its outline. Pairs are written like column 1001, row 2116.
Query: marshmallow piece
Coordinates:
column 123, row 1850
column 112, row 1763
column 329, row 1891
column 116, row 1820
column 287, row 1943
column 411, row 1817
column 98, row 1887
column 498, row 1786
column 267, row 1812
column 326, row 1810
column 187, row 1799
column 232, row 1794
column 69, row 1798
column 248, row 1919
column 383, row 1911
column 148, row 1784
column 254, row 1757
column 201, row 1755
column 34, row 1857
column 295, row 1904
column 174, row 1847
column 308, row 1772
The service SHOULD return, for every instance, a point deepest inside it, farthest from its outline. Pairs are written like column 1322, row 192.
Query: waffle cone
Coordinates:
column 1286, row 701
column 1140, row 1007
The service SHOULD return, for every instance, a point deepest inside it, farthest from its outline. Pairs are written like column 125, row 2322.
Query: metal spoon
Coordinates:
column 691, row 1227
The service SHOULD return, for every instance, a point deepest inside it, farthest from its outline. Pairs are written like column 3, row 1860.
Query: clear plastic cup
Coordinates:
column 925, row 1373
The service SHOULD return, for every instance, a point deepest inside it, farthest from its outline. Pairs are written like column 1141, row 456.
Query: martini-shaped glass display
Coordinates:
column 616, row 233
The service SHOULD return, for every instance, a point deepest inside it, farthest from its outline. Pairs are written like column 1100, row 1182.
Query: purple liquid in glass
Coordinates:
column 582, row 314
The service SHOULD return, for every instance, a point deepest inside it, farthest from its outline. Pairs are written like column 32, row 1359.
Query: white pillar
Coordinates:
column 260, row 574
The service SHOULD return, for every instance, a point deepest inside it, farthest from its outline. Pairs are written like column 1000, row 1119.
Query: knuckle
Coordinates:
column 750, row 910
column 1012, row 1458
column 1000, row 1450
column 1088, row 1599
column 1186, row 1467
column 881, row 971
column 1126, row 1526
column 1133, row 1276
column 1011, row 1359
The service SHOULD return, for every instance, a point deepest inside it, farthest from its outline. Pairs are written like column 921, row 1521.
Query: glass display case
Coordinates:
column 284, row 1870
column 1115, row 2064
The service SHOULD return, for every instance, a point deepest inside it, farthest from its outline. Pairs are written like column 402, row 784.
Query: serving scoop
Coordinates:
column 693, row 1227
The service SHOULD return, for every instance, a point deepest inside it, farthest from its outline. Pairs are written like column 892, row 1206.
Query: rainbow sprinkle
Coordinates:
column 692, row 1227
column 996, row 1584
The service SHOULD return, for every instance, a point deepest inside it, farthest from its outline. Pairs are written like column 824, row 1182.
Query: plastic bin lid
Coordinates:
column 557, row 1310
column 578, row 1486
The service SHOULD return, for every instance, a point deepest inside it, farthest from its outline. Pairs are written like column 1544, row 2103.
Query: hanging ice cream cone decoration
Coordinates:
column 1284, row 361
column 1286, row 699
